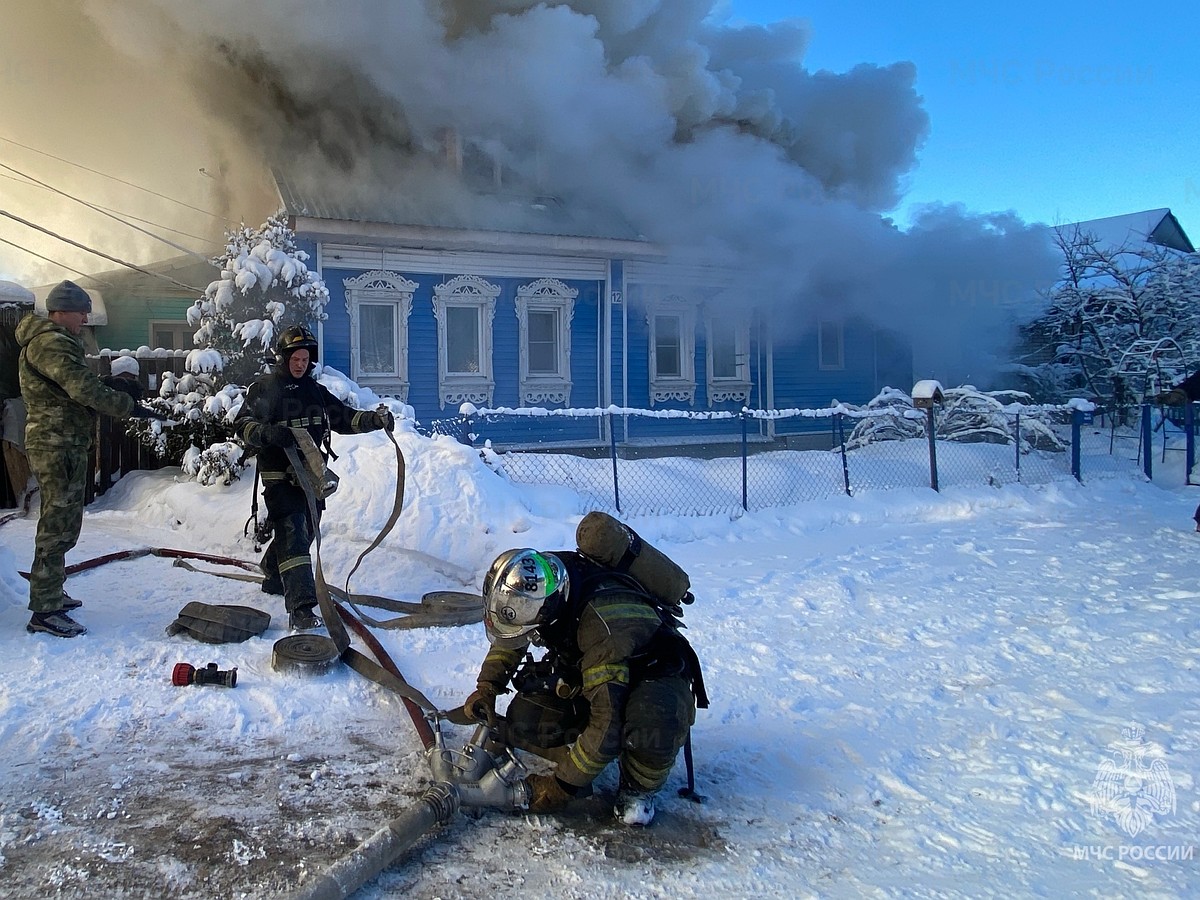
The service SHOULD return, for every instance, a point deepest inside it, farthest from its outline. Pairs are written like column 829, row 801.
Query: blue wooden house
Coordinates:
column 541, row 307
column 563, row 315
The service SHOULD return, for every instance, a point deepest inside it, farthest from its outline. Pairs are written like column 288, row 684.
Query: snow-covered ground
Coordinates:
column 914, row 693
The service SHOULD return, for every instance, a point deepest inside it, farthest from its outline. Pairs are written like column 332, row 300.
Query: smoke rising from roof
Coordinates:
column 638, row 116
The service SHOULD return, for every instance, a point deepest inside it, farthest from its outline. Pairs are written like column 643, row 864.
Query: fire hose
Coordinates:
column 483, row 774
column 474, row 777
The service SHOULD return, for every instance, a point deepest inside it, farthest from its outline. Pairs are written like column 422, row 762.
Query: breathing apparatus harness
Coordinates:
column 668, row 653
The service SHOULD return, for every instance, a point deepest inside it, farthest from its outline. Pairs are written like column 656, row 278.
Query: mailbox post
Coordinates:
column 926, row 395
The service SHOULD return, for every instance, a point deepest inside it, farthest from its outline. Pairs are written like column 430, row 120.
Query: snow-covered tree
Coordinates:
column 966, row 415
column 1121, row 324
column 896, row 419
column 265, row 286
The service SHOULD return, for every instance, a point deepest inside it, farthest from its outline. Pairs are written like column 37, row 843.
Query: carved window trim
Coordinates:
column 735, row 388
column 382, row 288
column 470, row 292
column 679, row 386
column 546, row 295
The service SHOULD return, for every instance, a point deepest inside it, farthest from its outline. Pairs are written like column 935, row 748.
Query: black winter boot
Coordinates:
column 57, row 623
column 304, row 619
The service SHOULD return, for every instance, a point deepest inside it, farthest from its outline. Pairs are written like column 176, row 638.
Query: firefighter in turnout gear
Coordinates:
column 291, row 398
column 617, row 682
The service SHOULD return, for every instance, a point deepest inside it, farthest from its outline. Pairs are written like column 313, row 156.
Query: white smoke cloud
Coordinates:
column 641, row 116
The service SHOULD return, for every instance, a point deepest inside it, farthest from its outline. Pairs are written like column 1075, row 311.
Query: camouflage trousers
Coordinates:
column 60, row 474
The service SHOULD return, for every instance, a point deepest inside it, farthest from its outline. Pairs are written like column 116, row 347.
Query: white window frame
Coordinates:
column 381, row 288
column 546, row 295
column 728, row 388
column 831, row 365
column 680, row 387
column 473, row 292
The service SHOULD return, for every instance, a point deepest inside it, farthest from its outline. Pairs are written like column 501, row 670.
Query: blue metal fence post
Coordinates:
column 612, row 443
column 841, row 427
column 1189, row 440
column 1076, row 431
column 1017, row 442
column 1147, row 438
column 933, row 472
column 745, row 490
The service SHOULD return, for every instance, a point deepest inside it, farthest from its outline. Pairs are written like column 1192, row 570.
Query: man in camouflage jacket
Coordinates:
column 62, row 399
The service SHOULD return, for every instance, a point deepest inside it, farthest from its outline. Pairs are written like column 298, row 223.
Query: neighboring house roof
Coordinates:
column 128, row 284
column 175, row 272
column 1155, row 226
column 11, row 292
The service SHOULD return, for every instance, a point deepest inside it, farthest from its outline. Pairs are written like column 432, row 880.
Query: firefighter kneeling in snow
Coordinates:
column 616, row 681
column 290, row 398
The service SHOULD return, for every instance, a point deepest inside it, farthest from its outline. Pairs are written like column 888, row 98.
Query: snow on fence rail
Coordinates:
column 713, row 472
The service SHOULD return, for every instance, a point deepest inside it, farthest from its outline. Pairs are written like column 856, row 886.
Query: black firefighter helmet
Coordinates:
column 296, row 337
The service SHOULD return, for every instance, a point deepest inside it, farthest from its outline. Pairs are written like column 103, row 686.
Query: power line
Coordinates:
column 54, row 261
column 122, row 213
column 117, row 260
column 113, row 177
column 96, row 208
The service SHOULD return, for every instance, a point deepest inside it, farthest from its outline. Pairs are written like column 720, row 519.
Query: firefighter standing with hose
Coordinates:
column 277, row 406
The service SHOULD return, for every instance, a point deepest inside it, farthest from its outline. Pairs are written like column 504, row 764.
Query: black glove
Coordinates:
column 145, row 412
column 124, row 385
column 481, row 705
column 381, row 418
column 276, row 436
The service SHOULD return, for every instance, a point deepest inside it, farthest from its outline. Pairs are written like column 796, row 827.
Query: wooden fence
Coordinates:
column 115, row 452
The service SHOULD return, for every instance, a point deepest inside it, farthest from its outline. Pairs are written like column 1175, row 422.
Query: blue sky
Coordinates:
column 1061, row 111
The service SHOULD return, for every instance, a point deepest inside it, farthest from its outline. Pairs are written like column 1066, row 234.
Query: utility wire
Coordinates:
column 113, row 177
column 124, row 214
column 117, row 260
column 55, row 262
column 93, row 206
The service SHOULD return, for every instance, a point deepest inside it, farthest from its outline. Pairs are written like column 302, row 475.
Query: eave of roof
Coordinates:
column 430, row 237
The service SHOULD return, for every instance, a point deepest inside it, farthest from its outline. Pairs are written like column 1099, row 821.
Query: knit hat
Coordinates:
column 67, row 296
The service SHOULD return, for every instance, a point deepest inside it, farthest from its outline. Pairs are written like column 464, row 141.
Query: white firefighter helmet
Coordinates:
column 521, row 590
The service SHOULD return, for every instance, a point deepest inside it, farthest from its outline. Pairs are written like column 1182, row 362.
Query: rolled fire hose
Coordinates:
column 307, row 654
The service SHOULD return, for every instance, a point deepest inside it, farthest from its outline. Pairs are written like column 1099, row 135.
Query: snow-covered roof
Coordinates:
column 11, row 292
column 1155, row 226
column 928, row 391
column 310, row 197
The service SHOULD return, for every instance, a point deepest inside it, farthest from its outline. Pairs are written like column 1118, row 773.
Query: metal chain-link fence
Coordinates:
column 710, row 468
